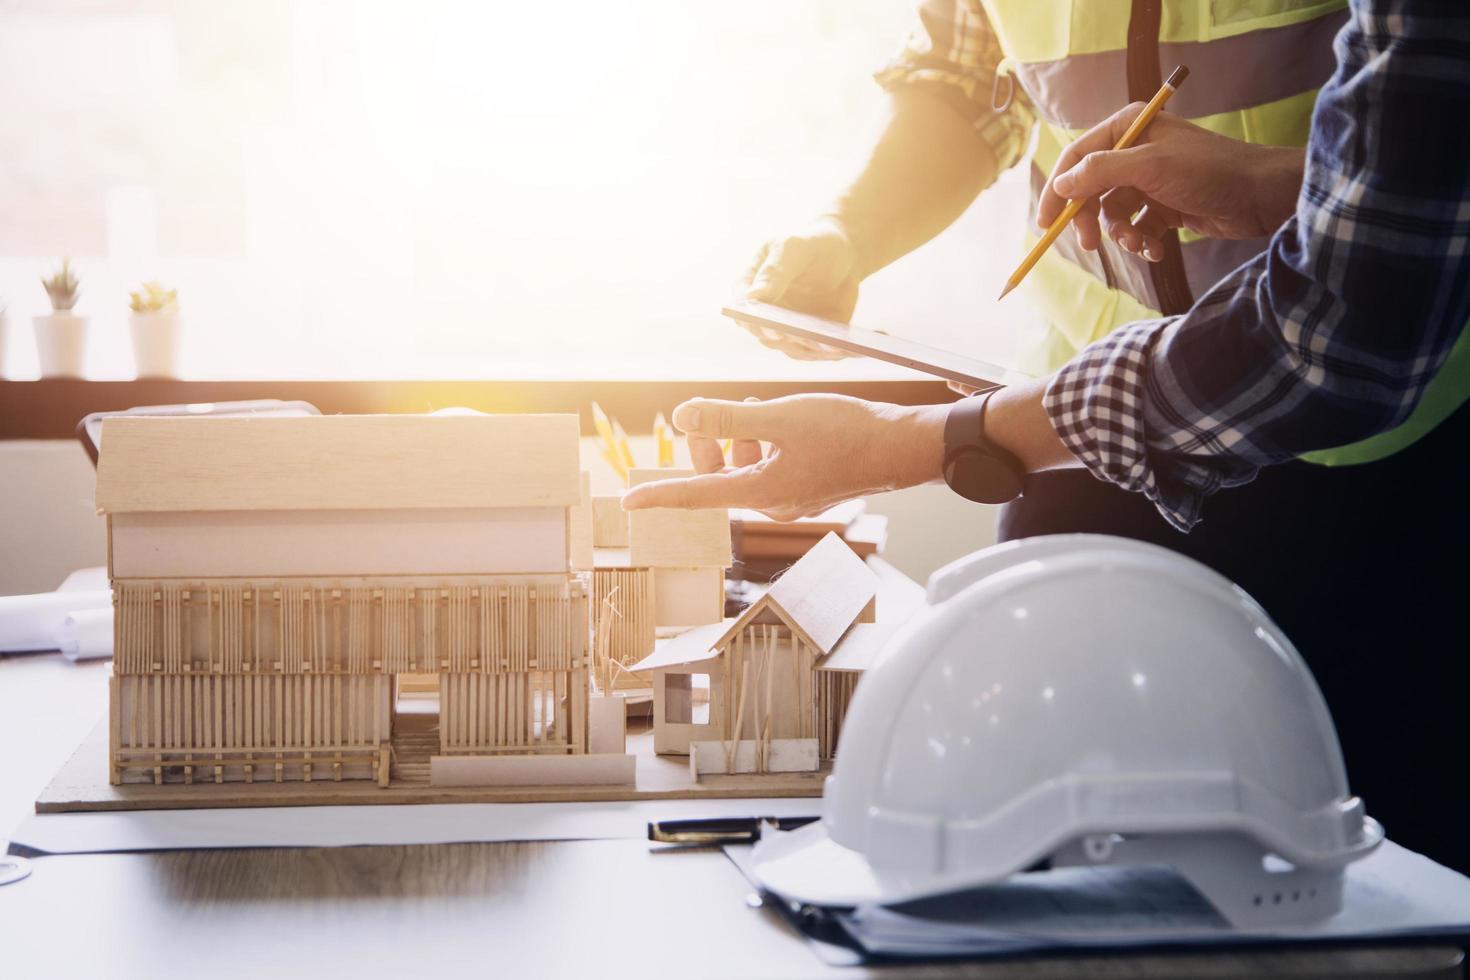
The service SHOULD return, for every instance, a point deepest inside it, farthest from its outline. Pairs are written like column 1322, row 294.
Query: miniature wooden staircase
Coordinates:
column 411, row 753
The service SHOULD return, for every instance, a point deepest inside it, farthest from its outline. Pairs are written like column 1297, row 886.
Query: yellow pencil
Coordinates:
column 663, row 441
column 624, row 450
column 610, row 452
column 1175, row 79
column 617, row 465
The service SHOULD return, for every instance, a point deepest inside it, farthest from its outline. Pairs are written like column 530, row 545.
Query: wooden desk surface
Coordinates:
column 575, row 908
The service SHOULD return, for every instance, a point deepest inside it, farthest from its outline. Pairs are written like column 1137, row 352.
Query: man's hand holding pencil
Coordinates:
column 1177, row 175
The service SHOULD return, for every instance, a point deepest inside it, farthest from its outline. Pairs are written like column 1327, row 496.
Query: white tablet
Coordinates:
column 885, row 347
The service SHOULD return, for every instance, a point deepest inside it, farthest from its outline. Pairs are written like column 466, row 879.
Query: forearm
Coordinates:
column 925, row 167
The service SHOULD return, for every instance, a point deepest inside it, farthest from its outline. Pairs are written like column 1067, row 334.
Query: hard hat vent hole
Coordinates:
column 1279, row 897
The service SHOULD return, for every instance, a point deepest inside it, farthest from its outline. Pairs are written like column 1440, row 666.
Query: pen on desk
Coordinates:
column 720, row 830
column 1155, row 105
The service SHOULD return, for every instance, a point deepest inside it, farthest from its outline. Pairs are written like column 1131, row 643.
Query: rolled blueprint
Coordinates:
column 33, row 622
column 86, row 634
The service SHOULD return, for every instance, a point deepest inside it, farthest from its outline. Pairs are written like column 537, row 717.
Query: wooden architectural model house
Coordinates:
column 274, row 579
column 779, row 676
column 655, row 573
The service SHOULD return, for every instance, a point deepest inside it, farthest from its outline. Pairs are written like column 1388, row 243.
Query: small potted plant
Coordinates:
column 154, row 324
column 61, row 335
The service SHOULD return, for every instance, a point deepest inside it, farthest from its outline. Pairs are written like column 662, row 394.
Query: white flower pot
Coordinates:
column 155, row 344
column 61, row 342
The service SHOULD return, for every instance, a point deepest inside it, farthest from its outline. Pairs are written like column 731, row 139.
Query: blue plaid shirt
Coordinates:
column 1333, row 333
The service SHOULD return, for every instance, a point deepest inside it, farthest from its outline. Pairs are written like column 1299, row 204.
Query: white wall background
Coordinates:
column 454, row 188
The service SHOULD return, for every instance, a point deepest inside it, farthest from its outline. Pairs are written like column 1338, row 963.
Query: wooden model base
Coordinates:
column 82, row 786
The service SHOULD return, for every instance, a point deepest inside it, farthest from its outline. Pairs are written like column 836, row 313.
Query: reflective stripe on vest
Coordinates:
column 1447, row 392
column 1255, row 68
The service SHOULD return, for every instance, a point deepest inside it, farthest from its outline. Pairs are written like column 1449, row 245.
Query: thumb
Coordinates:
column 775, row 274
column 1103, row 170
column 718, row 419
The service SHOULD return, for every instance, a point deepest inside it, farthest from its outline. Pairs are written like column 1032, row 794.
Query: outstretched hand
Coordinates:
column 1178, row 175
column 797, row 456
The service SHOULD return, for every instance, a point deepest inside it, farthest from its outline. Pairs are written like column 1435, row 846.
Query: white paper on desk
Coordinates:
column 86, row 635
column 341, row 826
column 33, row 622
column 1391, row 893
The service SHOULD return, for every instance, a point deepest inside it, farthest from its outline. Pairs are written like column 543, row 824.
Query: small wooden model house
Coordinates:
column 779, row 676
column 655, row 573
column 275, row 578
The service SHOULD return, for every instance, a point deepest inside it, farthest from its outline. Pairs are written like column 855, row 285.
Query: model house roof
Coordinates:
column 338, row 462
column 858, row 650
column 821, row 595
column 819, row 598
column 690, row 647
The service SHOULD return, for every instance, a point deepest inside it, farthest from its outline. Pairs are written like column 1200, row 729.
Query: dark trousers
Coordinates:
column 1365, row 569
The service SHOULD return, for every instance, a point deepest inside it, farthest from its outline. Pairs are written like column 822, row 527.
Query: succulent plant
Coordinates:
column 62, row 287
column 154, row 297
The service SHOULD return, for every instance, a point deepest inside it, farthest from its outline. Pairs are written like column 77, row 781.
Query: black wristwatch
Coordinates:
column 974, row 467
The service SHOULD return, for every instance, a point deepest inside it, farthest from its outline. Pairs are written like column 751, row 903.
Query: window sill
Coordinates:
column 52, row 408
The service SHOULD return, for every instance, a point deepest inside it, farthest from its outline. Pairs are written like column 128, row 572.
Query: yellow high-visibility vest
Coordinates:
column 1255, row 69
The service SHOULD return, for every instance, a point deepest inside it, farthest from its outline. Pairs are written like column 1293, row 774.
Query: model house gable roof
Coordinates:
column 338, row 462
column 690, row 647
column 859, row 648
column 820, row 596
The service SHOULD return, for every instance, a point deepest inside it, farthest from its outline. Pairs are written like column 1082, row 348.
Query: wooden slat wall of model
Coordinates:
column 271, row 576
column 292, row 671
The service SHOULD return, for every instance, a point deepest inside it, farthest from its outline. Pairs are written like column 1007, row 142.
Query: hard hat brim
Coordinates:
column 807, row 865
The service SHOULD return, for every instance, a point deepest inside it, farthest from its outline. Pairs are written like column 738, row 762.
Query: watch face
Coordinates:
column 982, row 478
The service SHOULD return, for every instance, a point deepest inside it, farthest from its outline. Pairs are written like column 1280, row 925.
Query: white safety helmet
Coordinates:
column 1085, row 700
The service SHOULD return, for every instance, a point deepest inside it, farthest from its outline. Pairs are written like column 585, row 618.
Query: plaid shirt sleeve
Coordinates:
column 953, row 53
column 1333, row 333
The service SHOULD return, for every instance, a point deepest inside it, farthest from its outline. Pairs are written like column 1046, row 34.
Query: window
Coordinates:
column 453, row 189
column 686, row 699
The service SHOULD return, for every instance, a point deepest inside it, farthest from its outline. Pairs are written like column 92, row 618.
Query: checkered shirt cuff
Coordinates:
column 1098, row 404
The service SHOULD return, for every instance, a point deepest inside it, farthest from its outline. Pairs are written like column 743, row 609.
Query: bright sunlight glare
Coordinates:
column 345, row 189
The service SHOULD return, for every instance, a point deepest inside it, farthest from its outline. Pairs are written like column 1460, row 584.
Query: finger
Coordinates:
column 1103, row 136
column 717, row 419
column 746, row 452
column 705, row 454
column 1085, row 226
column 816, row 353
column 755, row 264
column 1153, row 223
column 734, row 488
column 1118, row 207
column 775, row 274
column 802, row 350
column 1103, row 170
